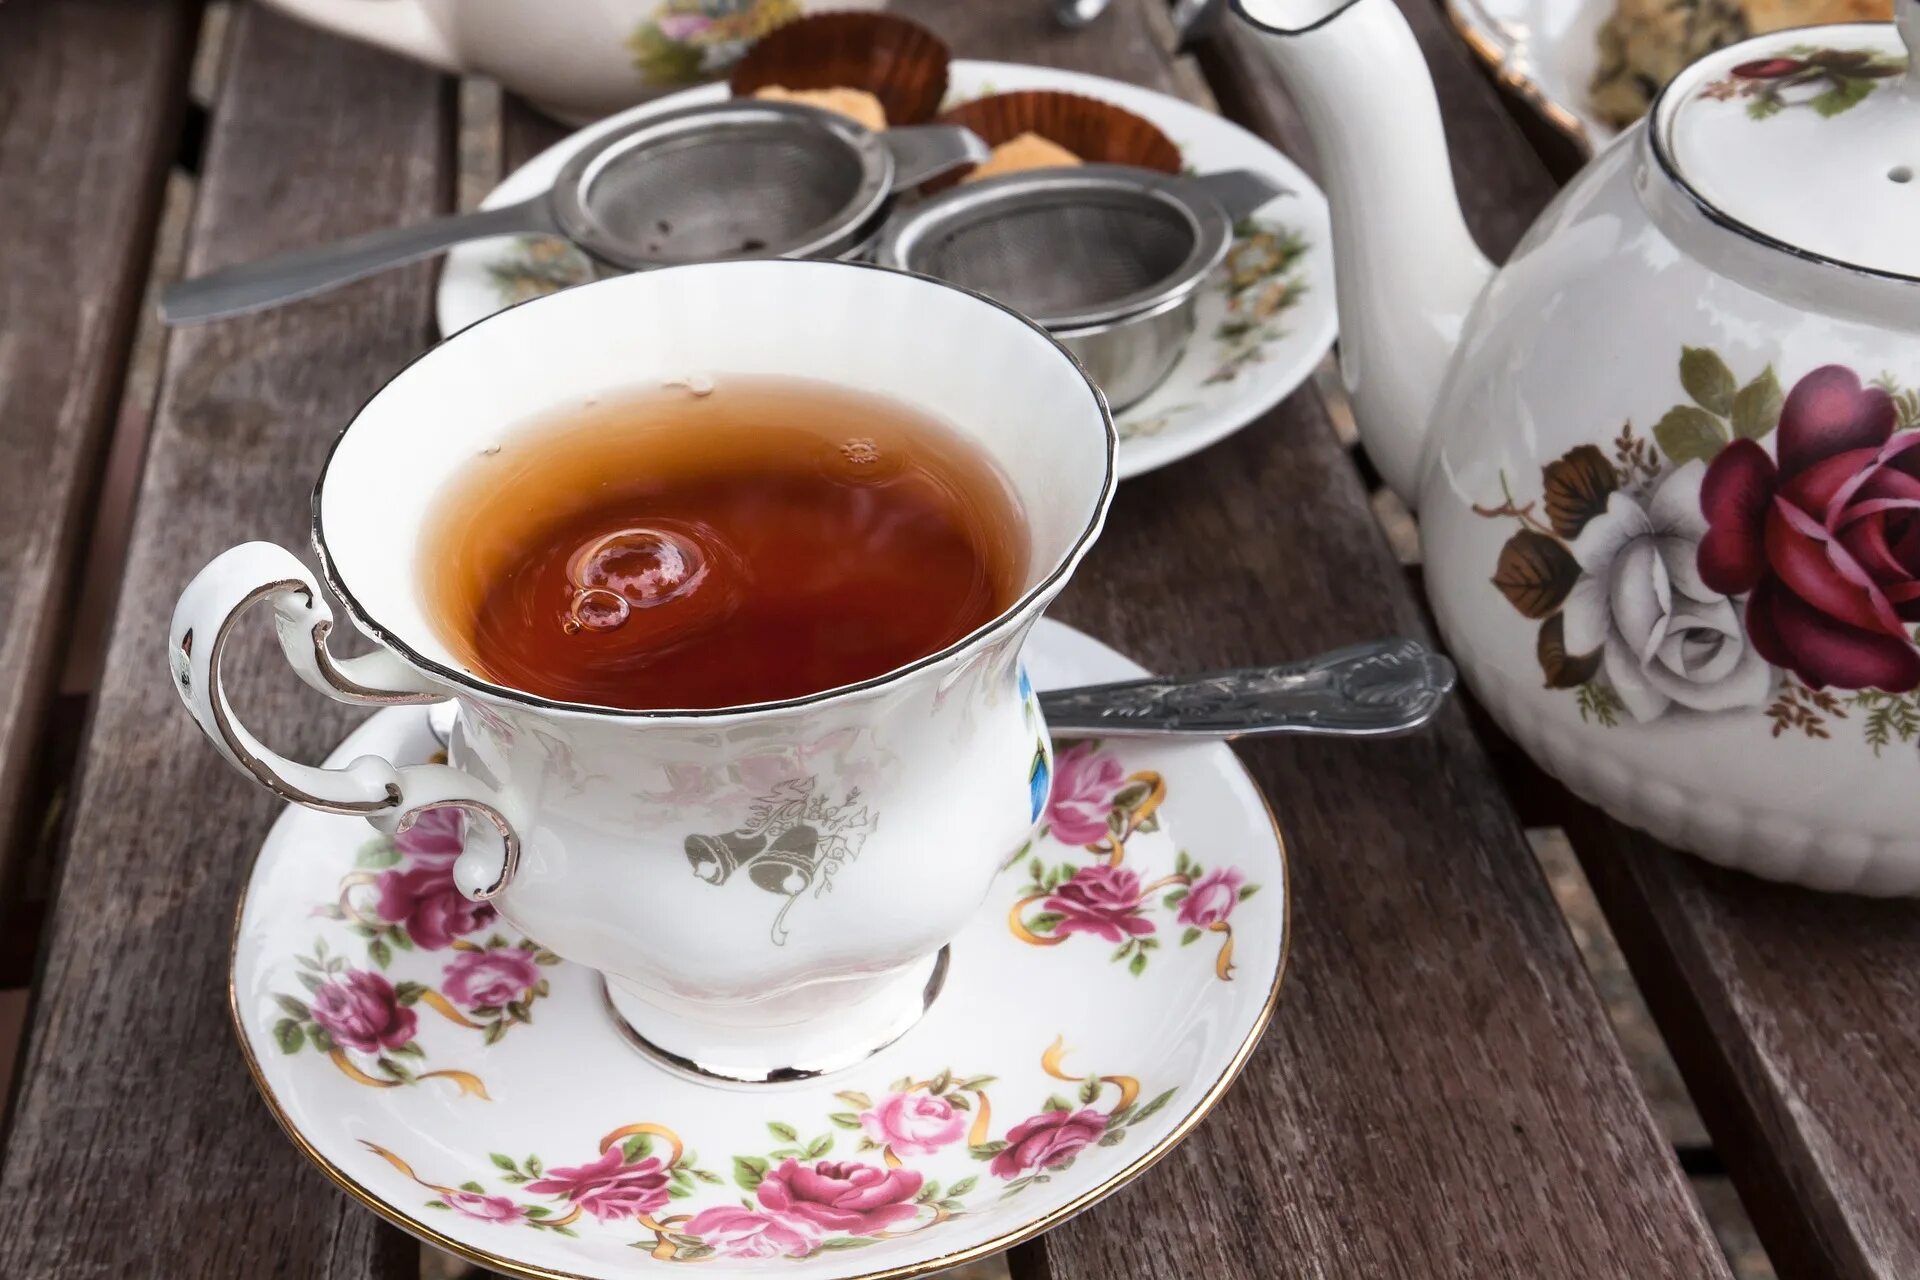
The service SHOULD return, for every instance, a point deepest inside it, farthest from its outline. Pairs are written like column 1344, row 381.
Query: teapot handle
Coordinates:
column 402, row 26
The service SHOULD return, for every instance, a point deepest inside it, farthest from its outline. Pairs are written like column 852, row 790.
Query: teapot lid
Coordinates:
column 1808, row 139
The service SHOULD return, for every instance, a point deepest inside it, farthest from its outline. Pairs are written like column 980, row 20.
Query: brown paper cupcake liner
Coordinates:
column 1095, row 131
column 899, row 62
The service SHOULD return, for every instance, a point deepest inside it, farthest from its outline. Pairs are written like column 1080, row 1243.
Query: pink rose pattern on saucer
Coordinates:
column 1096, row 807
column 804, row 1195
column 398, row 943
column 400, row 898
column 396, row 956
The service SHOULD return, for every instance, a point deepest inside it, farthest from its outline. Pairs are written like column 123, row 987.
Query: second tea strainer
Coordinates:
column 1108, row 258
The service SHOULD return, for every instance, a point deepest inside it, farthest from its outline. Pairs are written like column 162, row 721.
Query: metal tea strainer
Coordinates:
column 738, row 179
column 1108, row 258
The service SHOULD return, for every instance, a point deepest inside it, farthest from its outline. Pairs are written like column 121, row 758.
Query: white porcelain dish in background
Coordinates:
column 1545, row 50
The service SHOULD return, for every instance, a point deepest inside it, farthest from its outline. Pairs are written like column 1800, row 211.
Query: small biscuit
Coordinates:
column 856, row 105
column 1028, row 151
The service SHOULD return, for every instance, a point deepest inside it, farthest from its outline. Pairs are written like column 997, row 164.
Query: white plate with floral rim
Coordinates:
column 469, row 1086
column 1264, row 320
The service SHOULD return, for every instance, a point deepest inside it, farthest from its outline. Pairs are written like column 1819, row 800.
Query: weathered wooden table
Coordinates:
column 1441, row 1093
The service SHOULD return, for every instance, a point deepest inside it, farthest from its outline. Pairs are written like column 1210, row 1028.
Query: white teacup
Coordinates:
column 575, row 59
column 767, row 889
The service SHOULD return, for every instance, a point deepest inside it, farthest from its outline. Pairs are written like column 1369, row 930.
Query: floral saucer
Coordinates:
column 469, row 1086
column 1264, row 320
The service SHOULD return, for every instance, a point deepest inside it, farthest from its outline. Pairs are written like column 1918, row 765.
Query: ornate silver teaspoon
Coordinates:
column 1375, row 690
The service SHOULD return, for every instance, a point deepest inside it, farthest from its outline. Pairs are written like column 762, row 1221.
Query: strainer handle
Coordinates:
column 1239, row 191
column 284, row 277
column 924, row 151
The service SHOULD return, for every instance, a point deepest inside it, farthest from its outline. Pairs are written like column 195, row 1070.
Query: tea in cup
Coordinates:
column 729, row 567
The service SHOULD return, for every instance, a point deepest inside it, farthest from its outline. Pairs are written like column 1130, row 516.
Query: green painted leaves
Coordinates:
column 1720, row 412
column 512, row 1172
column 1756, row 406
column 1160, row 1100
column 1686, row 433
column 749, row 1172
column 1846, row 92
column 1707, row 379
column 377, row 854
column 288, row 1035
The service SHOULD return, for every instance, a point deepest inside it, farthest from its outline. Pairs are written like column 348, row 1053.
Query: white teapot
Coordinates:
column 576, row 60
column 1667, row 459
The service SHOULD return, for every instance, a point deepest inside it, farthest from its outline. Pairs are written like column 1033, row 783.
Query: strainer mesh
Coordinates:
column 1063, row 257
column 723, row 194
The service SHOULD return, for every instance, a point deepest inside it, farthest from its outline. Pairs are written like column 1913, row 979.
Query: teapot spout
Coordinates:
column 1407, row 271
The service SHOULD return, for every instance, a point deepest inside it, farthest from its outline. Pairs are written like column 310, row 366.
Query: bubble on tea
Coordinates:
column 697, row 385
column 596, row 609
column 861, row 460
column 637, row 568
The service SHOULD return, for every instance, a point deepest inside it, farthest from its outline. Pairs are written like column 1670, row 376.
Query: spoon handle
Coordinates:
column 1371, row 690
column 255, row 286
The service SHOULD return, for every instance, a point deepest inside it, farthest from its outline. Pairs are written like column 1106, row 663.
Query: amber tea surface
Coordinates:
column 742, row 541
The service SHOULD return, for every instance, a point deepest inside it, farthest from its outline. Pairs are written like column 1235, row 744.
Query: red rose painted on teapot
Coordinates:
column 1667, row 459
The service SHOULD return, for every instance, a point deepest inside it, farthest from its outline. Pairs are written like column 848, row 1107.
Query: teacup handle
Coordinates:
column 387, row 795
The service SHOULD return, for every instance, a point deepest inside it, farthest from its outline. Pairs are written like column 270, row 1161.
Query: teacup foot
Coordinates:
column 810, row 1033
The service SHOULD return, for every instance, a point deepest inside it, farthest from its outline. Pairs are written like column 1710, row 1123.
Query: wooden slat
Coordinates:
column 525, row 133
column 1440, row 1094
column 91, row 93
column 138, row 1147
column 1795, row 1018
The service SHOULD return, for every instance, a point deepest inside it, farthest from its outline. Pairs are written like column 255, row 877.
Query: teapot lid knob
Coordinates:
column 1807, row 139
